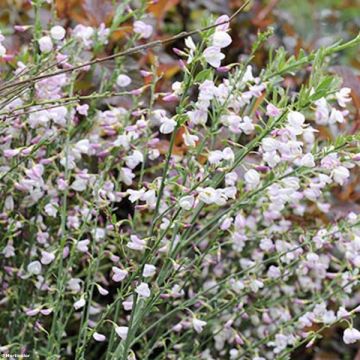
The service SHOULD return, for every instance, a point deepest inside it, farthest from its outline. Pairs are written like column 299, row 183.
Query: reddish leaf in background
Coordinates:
column 161, row 7
column 67, row 8
column 263, row 17
column 87, row 12
column 98, row 11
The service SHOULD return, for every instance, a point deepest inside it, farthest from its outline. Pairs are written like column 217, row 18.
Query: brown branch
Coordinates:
column 133, row 50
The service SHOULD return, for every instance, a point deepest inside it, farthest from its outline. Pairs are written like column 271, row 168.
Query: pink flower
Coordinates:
column 272, row 110
column 222, row 22
column 82, row 109
column 143, row 29
column 10, row 153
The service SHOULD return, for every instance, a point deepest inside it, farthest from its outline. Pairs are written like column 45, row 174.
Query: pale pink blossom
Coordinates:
column 143, row 290
column 144, row 30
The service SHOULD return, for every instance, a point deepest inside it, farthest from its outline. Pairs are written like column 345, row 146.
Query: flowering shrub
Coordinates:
column 205, row 230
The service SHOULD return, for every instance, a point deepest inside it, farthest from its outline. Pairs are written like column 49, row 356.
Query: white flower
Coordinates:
column 74, row 284
column 47, row 257
column 167, row 125
column 45, row 44
column 307, row 160
column 336, row 116
column 149, row 270
column 198, row 325
column 133, row 160
column 343, row 96
column 221, row 39
column 135, row 195
column 150, row 198
column 79, row 304
column 82, row 245
column 230, row 178
column 57, row 32
column 101, row 290
column 322, row 112
column 83, row 146
column 269, row 144
column 228, row 154
column 79, row 184
column 123, row 80
column 2, row 50
column 340, row 174
column 119, row 274
column 213, row 56
column 99, row 337
column 50, row 209
column 351, row 336
column 215, row 157
column 190, row 43
column 84, row 33
column 8, row 250
column 143, row 290
column 197, row 116
column 207, row 195
column 103, row 34
column 252, row 178
column 143, row 29
column 34, row 268
column 153, row 154
column 247, row 126
column 248, row 76
column 126, row 176
column 177, row 87
column 136, row 243
column 255, row 285
column 122, row 331
column 296, row 121
column 122, row 140
column 190, row 140
column 187, row 202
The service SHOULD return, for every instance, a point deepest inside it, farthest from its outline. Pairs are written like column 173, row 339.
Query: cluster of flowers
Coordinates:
column 103, row 228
